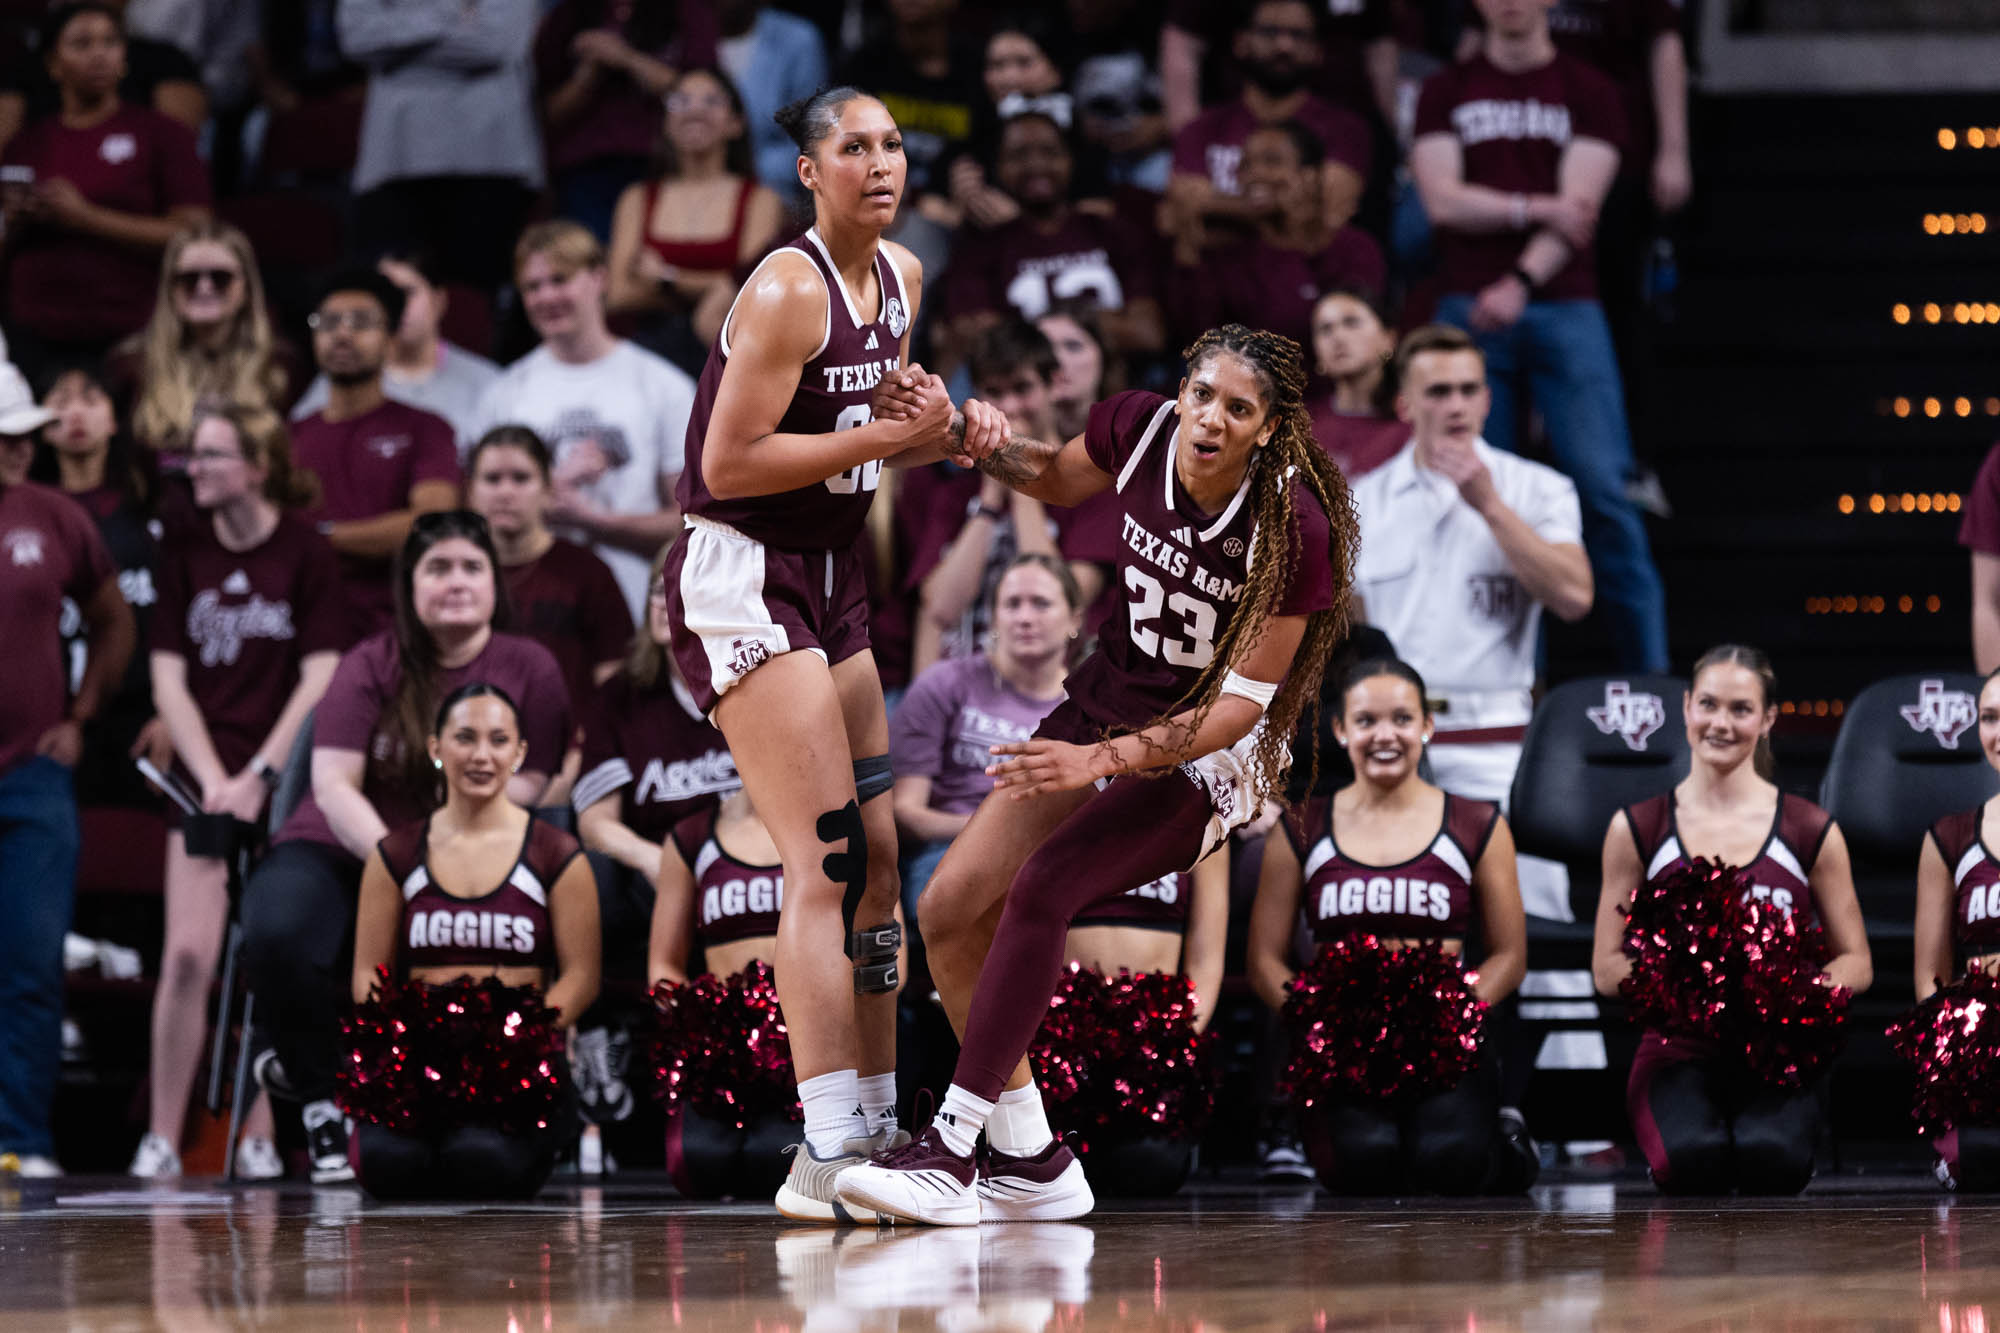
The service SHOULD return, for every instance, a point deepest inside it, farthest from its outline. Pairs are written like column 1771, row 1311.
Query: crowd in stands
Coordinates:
column 360, row 336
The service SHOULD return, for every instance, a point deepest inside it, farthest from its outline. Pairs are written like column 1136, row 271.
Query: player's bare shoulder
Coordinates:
column 784, row 302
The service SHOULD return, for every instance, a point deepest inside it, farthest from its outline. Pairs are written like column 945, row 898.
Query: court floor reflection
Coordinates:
column 100, row 1254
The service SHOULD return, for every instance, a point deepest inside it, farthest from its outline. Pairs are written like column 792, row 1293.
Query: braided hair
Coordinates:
column 1291, row 454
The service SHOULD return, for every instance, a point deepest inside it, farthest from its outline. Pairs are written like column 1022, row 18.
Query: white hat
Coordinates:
column 20, row 414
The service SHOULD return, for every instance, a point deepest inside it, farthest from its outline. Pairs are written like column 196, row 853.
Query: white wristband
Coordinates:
column 1256, row 691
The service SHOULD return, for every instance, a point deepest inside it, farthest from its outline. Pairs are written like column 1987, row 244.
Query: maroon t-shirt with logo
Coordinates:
column 243, row 621
column 569, row 602
column 835, row 388
column 357, row 713
column 1428, row 897
column 1102, row 260
column 654, row 750
column 1274, row 287
column 65, row 285
column 1512, row 130
column 49, row 550
column 1181, row 571
column 366, row 467
column 1358, row 443
column 1211, row 144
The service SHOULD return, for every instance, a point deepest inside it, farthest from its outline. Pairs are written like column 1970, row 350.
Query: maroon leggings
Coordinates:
column 1131, row 833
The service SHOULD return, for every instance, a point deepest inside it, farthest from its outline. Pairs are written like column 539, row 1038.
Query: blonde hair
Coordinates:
column 647, row 661
column 569, row 247
column 177, row 376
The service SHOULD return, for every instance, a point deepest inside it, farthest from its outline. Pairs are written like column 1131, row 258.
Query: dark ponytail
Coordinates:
column 1384, row 666
column 810, row 119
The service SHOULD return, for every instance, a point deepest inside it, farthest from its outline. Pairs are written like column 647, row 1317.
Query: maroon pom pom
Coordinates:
column 1952, row 1037
column 1380, row 1023
column 1119, row 1057
column 1711, row 961
column 422, row 1058
column 720, row 1045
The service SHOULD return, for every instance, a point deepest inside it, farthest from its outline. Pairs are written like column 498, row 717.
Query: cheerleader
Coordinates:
column 1391, row 856
column 1958, row 928
column 481, row 888
column 1704, row 1125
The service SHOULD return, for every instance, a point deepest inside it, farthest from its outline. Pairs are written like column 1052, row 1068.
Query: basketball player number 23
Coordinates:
column 864, row 476
column 1197, row 622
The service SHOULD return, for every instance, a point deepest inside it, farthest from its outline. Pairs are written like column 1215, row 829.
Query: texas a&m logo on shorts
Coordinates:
column 1945, row 714
column 746, row 655
column 1630, row 717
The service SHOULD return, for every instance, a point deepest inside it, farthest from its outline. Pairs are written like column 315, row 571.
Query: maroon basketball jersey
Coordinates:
column 1975, row 876
column 733, row 900
column 1181, row 571
column 1428, row 897
column 1782, row 873
column 833, row 394
column 1161, row 905
column 507, row 926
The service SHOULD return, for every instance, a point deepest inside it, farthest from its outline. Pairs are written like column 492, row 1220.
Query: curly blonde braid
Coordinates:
column 1291, row 453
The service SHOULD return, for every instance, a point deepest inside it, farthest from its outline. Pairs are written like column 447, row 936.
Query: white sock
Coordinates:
column 878, row 1101
column 832, row 1105
column 960, row 1119
column 1019, row 1126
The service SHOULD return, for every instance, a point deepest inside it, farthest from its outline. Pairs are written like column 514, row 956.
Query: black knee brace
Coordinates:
column 873, row 950
column 873, row 953
column 872, row 777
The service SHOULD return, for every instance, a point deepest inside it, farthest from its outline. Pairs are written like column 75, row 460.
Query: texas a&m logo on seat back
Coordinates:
column 1631, row 717
column 1945, row 714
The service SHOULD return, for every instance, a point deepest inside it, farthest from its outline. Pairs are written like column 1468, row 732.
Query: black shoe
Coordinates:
column 1518, row 1160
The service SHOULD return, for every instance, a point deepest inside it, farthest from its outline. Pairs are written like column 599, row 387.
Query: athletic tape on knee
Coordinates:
column 848, row 867
column 873, row 952
column 872, row 777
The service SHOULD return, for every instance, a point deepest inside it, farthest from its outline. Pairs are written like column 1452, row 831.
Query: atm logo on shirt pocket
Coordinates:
column 387, row 446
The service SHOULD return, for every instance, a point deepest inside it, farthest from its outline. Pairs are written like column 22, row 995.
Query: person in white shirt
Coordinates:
column 1462, row 546
column 423, row 370
column 614, row 415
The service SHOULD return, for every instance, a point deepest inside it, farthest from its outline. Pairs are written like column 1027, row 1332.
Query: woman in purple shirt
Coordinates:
column 371, row 771
column 939, row 736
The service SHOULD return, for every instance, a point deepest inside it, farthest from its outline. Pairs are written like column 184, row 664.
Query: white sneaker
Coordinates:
column 1047, row 1187
column 922, row 1181
column 156, row 1158
column 327, row 1131
column 808, row 1193
column 29, row 1166
column 258, row 1159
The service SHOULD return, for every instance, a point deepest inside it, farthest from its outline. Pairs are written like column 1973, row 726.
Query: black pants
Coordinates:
column 1447, row 1143
column 470, row 1162
column 713, row 1159
column 1152, row 1168
column 298, row 953
column 1707, row 1128
column 469, row 222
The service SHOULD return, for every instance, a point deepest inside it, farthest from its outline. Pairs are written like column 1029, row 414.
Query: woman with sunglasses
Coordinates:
column 210, row 340
column 248, row 631
column 371, row 772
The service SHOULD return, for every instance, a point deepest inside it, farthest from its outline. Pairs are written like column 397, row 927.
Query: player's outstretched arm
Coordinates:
column 1050, row 471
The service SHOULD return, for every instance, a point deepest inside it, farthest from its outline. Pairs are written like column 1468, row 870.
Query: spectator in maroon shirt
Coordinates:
column 371, row 772
column 93, row 193
column 1020, row 77
column 1354, row 349
column 602, row 67
column 48, row 550
column 1052, row 250
column 564, row 597
column 250, row 628
column 380, row 463
column 90, row 460
column 209, row 340
column 157, row 74
column 1272, row 278
column 968, row 543
column 1277, row 48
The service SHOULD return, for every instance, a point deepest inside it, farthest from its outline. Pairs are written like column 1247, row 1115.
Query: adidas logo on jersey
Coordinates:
column 237, row 583
column 872, row 343
column 1185, row 536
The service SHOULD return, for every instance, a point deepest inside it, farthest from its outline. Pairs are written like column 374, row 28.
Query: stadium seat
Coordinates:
column 1907, row 754
column 1595, row 745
